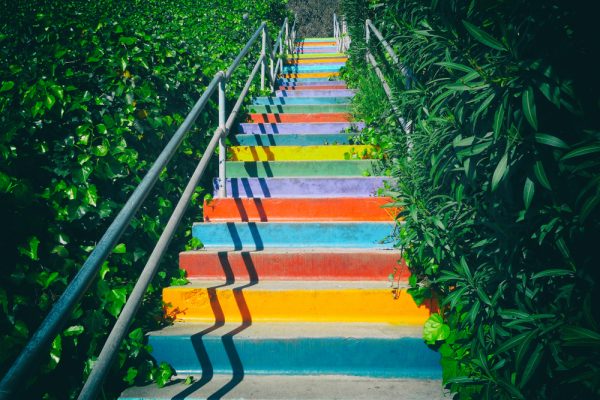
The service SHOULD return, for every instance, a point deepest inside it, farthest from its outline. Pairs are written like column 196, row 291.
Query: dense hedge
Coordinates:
column 500, row 181
column 90, row 92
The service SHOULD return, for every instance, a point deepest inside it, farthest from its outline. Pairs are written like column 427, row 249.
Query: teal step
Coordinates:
column 325, row 67
column 292, row 139
column 261, row 235
column 264, row 169
column 301, row 100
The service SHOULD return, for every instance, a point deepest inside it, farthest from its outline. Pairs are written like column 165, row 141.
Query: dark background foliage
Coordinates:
column 499, row 180
column 90, row 92
column 315, row 17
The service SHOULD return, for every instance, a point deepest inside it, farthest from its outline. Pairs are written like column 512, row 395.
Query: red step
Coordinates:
column 299, row 209
column 321, row 117
column 294, row 265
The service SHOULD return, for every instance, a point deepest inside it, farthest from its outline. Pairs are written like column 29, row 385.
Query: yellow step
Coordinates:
column 300, row 153
column 280, row 301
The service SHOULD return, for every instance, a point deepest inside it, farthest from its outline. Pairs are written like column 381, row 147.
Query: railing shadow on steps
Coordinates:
column 12, row 383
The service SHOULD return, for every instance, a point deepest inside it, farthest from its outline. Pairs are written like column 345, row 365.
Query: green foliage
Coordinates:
column 499, row 181
column 90, row 92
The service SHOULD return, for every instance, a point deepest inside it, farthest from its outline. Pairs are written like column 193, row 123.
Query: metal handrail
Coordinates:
column 58, row 315
column 340, row 32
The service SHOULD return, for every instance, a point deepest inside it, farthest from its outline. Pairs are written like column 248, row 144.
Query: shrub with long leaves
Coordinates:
column 500, row 185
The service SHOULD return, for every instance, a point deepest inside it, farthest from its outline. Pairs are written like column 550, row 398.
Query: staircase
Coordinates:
column 289, row 297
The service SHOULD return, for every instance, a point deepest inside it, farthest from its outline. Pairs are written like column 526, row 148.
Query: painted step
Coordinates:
column 287, row 69
column 300, row 101
column 261, row 235
column 299, row 209
column 317, row 61
column 293, row 139
column 296, row 127
column 307, row 83
column 277, row 387
column 316, row 49
column 315, row 43
column 300, row 56
column 290, row 264
column 264, row 169
column 309, row 75
column 373, row 350
column 305, row 187
column 316, row 39
column 297, row 118
column 312, row 87
column 301, row 153
column 316, row 93
column 304, row 81
column 292, row 301
column 300, row 108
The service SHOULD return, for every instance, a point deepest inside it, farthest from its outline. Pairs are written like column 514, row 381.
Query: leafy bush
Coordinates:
column 499, row 180
column 90, row 92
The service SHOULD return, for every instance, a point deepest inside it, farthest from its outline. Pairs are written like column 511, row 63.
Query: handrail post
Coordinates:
column 263, row 66
column 287, row 34
column 222, row 147
column 367, row 37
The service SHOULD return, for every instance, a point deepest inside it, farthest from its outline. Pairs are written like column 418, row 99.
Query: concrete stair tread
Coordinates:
column 292, row 250
column 295, row 285
column 290, row 330
column 277, row 387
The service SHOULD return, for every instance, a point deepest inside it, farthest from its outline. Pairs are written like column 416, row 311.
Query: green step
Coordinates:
column 300, row 108
column 264, row 169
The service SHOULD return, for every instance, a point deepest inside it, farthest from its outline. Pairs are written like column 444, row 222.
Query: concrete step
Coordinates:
column 301, row 153
column 293, row 301
column 316, row 39
column 261, row 235
column 297, row 75
column 316, row 49
column 315, row 43
column 316, row 93
column 299, row 209
column 303, row 187
column 282, row 169
column 299, row 118
column 300, row 108
column 297, row 127
column 305, row 81
column 300, row 56
column 314, row 82
column 301, row 100
column 316, row 61
column 276, row 387
column 328, row 67
column 312, row 87
column 292, row 139
column 293, row 264
column 371, row 350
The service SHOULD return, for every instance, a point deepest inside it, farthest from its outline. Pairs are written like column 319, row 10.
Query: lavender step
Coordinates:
column 302, row 187
column 308, row 128
column 316, row 93
column 316, row 82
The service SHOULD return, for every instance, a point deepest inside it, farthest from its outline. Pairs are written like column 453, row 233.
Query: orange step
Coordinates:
column 315, row 44
column 302, row 209
column 295, row 118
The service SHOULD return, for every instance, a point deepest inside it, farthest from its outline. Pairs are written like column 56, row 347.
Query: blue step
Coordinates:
column 303, row 68
column 260, row 235
column 374, row 350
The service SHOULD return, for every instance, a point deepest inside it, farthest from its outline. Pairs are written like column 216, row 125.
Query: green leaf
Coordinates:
column 120, row 249
column 552, row 273
column 589, row 206
column 74, row 330
column 498, row 120
column 165, row 372
column 435, row 329
column 582, row 151
column 32, row 251
column 532, row 365
column 130, row 375
column 578, row 336
column 6, row 86
column 456, row 66
column 529, row 110
column 528, row 192
column 55, row 351
column 483, row 37
column 550, row 140
column 512, row 342
column 127, row 40
column 540, row 174
column 500, row 171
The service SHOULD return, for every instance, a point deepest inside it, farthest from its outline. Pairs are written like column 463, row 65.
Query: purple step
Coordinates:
column 302, row 187
column 308, row 128
column 319, row 82
column 316, row 93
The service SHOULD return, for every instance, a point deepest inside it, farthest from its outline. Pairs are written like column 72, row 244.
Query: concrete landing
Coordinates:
column 277, row 387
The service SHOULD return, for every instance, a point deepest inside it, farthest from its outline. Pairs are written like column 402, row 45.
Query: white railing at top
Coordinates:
column 340, row 32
